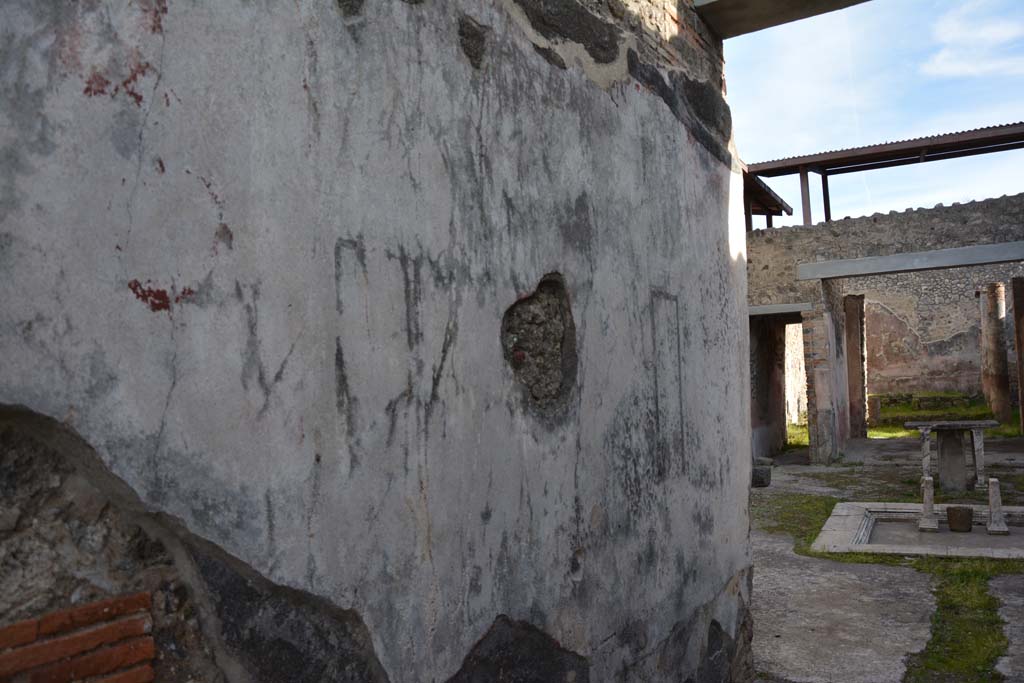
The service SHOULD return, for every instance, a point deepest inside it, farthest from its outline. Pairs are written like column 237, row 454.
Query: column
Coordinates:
column 1018, row 335
column 995, row 377
column 856, row 378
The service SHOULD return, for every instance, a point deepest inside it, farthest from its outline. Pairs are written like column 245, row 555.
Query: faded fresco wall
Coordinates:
column 796, row 376
column 924, row 328
column 929, row 317
column 429, row 312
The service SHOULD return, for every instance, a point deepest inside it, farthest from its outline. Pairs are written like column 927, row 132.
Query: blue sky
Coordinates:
column 880, row 71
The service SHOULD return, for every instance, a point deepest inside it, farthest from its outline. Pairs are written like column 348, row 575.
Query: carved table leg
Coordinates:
column 978, row 439
column 926, row 455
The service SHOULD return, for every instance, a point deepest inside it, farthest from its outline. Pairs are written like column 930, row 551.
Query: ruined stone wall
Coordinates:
column 924, row 328
column 773, row 257
column 773, row 254
column 427, row 317
column 667, row 32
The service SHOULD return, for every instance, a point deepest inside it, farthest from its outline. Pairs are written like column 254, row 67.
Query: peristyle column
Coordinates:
column 995, row 375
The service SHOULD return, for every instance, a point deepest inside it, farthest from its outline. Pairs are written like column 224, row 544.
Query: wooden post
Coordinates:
column 824, row 194
column 805, row 195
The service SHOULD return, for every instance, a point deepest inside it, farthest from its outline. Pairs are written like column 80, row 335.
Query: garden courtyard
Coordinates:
column 865, row 618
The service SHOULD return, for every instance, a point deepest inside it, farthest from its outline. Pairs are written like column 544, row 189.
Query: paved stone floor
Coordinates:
column 1010, row 592
column 906, row 533
column 818, row 620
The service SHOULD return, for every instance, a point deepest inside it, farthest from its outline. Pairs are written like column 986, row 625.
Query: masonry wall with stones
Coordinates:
column 773, row 255
column 924, row 328
column 426, row 318
column 908, row 330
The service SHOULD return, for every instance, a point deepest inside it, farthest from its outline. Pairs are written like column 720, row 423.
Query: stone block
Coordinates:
column 762, row 476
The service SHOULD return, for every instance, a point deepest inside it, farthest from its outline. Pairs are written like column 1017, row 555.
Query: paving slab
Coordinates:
column 819, row 621
column 1009, row 590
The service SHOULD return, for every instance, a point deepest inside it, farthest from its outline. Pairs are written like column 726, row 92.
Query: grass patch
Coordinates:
column 1006, row 431
column 892, row 431
column 904, row 412
column 967, row 633
column 892, row 418
column 798, row 515
column 797, row 436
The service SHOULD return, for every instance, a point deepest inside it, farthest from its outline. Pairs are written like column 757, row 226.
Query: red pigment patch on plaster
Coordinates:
column 139, row 69
column 185, row 295
column 96, row 84
column 156, row 299
column 156, row 15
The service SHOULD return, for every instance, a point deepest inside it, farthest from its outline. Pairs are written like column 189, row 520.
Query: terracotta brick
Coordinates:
column 46, row 651
column 18, row 634
column 93, row 613
column 138, row 674
column 98, row 662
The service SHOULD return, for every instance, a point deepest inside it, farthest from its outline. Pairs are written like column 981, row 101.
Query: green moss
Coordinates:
column 1006, row 430
column 967, row 633
column 798, row 515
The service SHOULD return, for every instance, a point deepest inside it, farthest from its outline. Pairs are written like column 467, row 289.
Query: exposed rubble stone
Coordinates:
column 538, row 336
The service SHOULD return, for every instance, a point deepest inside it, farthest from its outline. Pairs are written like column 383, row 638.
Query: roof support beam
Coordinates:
column 729, row 18
column 824, row 196
column 977, row 255
column 805, row 195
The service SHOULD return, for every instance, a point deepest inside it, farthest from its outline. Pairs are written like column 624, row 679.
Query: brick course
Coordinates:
column 82, row 641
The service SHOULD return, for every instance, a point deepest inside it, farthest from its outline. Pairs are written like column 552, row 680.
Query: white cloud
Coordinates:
column 972, row 61
column 979, row 38
column 855, row 77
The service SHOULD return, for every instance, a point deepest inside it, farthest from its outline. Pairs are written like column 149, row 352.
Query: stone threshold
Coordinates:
column 848, row 530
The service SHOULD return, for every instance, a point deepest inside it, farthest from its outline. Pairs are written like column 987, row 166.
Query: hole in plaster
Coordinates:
column 538, row 337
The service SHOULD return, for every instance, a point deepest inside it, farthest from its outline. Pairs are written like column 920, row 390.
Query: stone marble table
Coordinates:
column 960, row 441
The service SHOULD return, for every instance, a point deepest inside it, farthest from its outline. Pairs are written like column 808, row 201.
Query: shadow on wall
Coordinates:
column 72, row 533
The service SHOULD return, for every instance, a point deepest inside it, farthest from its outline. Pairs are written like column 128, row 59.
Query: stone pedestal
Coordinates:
column 952, row 466
column 996, row 518
column 929, row 521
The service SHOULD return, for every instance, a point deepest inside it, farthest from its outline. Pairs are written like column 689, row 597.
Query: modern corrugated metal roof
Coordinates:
column 914, row 150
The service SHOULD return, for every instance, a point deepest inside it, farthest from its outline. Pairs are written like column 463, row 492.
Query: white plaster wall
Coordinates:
column 326, row 396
